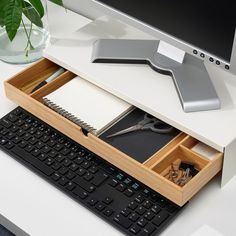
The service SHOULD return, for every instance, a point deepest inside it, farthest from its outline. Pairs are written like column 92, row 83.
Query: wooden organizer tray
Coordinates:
column 151, row 172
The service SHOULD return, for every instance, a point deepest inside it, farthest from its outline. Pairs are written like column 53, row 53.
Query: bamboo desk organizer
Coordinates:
column 151, row 172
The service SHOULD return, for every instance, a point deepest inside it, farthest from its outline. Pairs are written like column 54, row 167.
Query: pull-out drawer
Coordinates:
column 154, row 172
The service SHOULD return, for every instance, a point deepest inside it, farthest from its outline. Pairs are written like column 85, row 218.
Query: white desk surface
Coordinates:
column 41, row 210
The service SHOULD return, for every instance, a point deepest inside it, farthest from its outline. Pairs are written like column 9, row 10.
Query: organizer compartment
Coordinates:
column 150, row 172
column 173, row 160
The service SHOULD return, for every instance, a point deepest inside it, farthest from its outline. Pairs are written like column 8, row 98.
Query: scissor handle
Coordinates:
column 157, row 126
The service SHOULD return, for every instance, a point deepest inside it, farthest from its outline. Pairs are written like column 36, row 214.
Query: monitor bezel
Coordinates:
column 186, row 47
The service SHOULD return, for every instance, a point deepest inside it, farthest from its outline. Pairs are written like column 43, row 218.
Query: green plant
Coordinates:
column 12, row 12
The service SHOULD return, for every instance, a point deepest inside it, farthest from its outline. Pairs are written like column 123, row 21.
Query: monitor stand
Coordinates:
column 191, row 79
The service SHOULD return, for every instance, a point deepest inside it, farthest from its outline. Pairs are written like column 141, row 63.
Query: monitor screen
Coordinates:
column 208, row 25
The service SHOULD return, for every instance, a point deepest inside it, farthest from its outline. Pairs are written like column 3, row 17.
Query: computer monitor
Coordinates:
column 188, row 34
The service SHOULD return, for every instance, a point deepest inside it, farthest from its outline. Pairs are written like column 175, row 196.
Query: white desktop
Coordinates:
column 39, row 209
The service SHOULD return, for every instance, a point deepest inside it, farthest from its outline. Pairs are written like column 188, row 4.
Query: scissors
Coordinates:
column 148, row 123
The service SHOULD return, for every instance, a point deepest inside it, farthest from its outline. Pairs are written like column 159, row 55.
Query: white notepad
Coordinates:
column 87, row 105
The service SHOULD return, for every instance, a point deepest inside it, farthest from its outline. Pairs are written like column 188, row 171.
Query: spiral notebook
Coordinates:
column 87, row 105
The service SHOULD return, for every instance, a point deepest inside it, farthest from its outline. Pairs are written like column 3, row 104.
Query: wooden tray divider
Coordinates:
column 53, row 85
column 170, row 146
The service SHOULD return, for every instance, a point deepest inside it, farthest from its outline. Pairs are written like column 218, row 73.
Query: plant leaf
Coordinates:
column 58, row 2
column 38, row 6
column 3, row 4
column 12, row 17
column 30, row 12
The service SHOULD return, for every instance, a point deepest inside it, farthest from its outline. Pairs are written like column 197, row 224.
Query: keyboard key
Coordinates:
column 66, row 162
column 32, row 130
column 148, row 230
column 155, row 209
column 29, row 148
column 45, row 138
column 100, row 206
column 3, row 141
column 162, row 202
column 80, row 192
column 51, row 143
column 81, row 171
column 19, row 122
column 149, row 215
column 79, row 160
column 16, row 140
column 25, row 127
column 160, row 218
column 135, row 229
column 42, row 157
column 127, row 181
column 110, row 170
column 70, row 186
column 58, row 147
column 121, row 187
column 88, row 176
column 49, row 161
column 9, row 145
column 86, row 164
column 56, row 166
column 14, row 129
column 120, row 176
column 72, row 156
column 70, row 175
column 10, row 135
column 84, row 184
column 146, row 192
column 141, row 210
column 128, row 192
column 74, row 167
column 65, row 151
column 132, row 205
column 33, row 161
column 134, row 217
column 27, row 137
column 4, row 132
column 21, row 133
column 36, row 152
column 99, row 178
column 40, row 145
column 123, row 221
column 56, row 176
column 108, row 212
column 93, row 169
column 23, row 144
column 63, row 181
column 60, row 158
column 63, row 170
column 52, row 154
column 147, row 204
column 46, row 149
column 92, row 201
column 113, row 183
column 38, row 134
column 142, row 222
column 7, row 124
column 140, row 198
column 107, row 200
column 125, row 212
column 13, row 118
column 135, row 186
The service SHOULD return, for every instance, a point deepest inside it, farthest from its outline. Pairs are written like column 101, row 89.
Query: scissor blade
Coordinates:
column 125, row 131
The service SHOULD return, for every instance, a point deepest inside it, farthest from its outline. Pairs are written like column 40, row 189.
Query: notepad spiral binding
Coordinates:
column 69, row 116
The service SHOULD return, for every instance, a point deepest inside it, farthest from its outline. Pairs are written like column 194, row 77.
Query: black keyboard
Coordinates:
column 110, row 193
